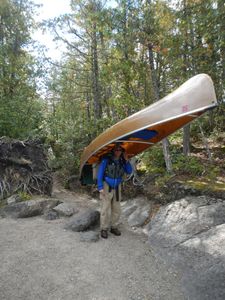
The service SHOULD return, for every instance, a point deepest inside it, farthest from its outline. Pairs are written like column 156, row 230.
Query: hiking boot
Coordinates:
column 115, row 231
column 104, row 234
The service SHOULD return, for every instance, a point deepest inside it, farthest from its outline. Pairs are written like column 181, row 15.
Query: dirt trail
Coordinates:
column 41, row 260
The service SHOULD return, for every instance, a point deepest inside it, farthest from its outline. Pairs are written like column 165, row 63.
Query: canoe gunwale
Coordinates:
column 134, row 141
column 119, row 138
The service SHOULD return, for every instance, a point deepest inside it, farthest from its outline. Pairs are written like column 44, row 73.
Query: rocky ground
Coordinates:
column 172, row 251
column 40, row 259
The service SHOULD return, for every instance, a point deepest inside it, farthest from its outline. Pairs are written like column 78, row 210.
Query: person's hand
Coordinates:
column 101, row 191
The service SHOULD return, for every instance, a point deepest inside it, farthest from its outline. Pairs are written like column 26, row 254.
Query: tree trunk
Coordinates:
column 186, row 129
column 167, row 157
column 186, row 140
column 95, row 76
column 165, row 141
column 106, row 89
column 221, row 15
column 153, row 73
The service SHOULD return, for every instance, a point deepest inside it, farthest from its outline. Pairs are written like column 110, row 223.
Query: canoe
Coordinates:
column 147, row 127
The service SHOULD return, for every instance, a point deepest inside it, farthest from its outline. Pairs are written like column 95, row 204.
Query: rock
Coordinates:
column 28, row 208
column 51, row 215
column 66, row 209
column 13, row 199
column 185, row 218
column 190, row 235
column 138, row 217
column 136, row 210
column 211, row 241
column 84, row 220
column 129, row 210
column 89, row 236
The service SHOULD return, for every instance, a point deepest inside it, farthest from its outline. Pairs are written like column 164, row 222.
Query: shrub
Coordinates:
column 153, row 160
column 188, row 164
column 24, row 196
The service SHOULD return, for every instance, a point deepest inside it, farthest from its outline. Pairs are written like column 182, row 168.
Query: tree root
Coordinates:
column 23, row 167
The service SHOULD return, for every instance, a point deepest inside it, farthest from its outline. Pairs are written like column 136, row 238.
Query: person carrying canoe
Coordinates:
column 109, row 179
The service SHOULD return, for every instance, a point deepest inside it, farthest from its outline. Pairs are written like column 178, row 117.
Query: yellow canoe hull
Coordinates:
column 152, row 124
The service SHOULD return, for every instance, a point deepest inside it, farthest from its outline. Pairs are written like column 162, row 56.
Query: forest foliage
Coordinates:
column 119, row 60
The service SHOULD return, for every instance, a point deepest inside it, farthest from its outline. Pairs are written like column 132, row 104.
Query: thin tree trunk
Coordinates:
column 125, row 50
column 186, row 129
column 186, row 140
column 165, row 142
column 153, row 73
column 221, row 10
column 167, row 157
column 106, row 90
column 95, row 76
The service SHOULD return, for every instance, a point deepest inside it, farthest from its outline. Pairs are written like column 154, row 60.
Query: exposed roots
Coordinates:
column 23, row 167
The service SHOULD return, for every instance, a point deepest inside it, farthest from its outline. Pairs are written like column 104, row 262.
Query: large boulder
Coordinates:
column 28, row 208
column 136, row 211
column 129, row 209
column 186, row 218
column 138, row 217
column 83, row 220
column 190, row 235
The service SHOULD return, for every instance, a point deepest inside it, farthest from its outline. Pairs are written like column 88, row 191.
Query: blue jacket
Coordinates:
column 110, row 181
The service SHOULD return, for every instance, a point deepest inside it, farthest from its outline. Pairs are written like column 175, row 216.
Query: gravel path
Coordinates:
column 41, row 260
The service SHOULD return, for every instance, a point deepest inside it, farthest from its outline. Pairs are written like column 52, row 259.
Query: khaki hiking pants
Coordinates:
column 110, row 208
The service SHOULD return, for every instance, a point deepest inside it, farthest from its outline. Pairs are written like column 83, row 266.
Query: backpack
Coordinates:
column 95, row 166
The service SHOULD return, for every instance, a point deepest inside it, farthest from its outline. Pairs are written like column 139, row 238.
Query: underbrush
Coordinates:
column 24, row 196
column 194, row 168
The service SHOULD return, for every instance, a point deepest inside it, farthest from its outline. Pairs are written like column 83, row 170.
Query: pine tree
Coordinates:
column 19, row 111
